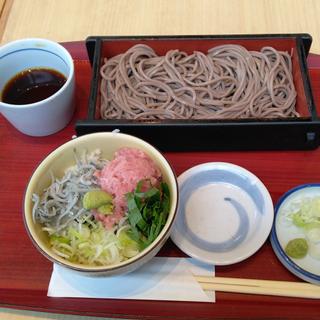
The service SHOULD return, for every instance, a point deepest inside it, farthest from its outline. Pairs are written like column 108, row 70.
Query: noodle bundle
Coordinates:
column 229, row 82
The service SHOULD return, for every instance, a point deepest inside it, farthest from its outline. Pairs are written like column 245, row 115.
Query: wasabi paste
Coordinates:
column 297, row 248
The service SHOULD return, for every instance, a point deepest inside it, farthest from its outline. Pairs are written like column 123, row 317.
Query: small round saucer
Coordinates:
column 225, row 213
column 284, row 230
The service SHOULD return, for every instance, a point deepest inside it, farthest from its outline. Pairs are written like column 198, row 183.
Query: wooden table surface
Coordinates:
column 65, row 20
column 70, row 20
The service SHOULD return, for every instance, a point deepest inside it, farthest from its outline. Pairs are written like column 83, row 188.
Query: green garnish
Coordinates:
column 95, row 199
column 105, row 209
column 297, row 248
column 147, row 212
column 308, row 216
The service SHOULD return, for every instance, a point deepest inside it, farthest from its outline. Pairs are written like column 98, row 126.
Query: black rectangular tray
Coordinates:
column 189, row 135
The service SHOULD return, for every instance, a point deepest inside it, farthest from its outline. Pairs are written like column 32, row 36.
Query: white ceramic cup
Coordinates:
column 51, row 114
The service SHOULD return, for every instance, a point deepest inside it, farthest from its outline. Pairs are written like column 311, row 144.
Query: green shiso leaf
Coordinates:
column 147, row 212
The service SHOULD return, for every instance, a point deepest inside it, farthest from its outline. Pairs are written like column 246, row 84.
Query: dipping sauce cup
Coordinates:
column 36, row 86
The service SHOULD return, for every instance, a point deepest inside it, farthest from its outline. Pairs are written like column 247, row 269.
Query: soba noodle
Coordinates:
column 229, row 82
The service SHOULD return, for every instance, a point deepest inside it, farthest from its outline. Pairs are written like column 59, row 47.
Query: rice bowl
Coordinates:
column 62, row 158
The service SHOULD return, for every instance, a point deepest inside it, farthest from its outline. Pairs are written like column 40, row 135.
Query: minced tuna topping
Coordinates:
column 121, row 175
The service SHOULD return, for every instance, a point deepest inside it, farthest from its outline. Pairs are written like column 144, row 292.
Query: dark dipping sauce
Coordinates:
column 32, row 85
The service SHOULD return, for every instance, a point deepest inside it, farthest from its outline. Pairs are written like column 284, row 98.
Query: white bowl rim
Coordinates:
column 44, row 41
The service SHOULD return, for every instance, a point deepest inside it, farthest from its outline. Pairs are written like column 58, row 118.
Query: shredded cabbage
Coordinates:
column 307, row 217
column 313, row 238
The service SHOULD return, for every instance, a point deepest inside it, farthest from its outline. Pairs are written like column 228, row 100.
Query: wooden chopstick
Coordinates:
column 263, row 287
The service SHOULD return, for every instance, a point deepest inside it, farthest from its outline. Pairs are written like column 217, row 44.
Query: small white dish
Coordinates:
column 225, row 213
column 283, row 230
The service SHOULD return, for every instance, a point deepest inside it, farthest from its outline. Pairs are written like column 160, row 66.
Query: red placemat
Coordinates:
column 25, row 273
